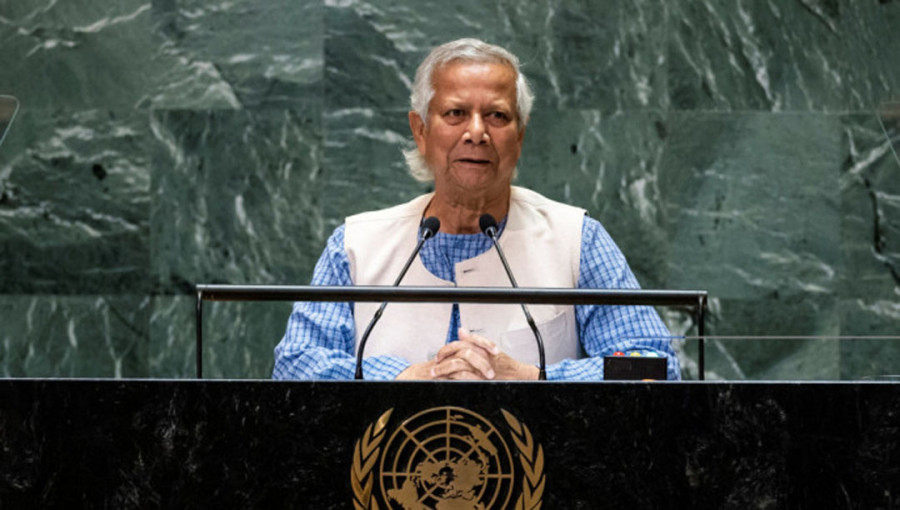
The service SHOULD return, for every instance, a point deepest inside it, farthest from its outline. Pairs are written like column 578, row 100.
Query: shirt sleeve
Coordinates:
column 604, row 329
column 320, row 340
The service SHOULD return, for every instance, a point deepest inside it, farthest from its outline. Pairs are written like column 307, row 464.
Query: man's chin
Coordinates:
column 479, row 183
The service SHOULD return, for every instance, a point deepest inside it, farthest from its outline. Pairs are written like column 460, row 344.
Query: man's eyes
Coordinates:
column 496, row 115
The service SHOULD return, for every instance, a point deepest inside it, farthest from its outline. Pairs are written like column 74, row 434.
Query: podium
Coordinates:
column 343, row 445
column 150, row 444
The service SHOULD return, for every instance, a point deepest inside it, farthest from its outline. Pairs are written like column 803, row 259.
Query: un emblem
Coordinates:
column 446, row 458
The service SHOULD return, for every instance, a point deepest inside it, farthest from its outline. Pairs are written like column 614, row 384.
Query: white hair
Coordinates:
column 460, row 50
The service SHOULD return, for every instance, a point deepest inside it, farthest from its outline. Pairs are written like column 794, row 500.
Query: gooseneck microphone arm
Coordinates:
column 489, row 227
column 430, row 226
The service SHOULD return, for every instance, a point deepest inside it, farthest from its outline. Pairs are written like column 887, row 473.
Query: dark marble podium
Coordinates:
column 262, row 444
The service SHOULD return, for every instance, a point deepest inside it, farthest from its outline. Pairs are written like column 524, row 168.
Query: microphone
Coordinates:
column 489, row 227
column 427, row 229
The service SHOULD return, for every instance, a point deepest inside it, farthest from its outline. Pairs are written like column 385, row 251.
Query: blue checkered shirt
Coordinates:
column 320, row 340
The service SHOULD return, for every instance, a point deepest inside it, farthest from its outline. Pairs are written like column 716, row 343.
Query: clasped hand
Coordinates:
column 473, row 358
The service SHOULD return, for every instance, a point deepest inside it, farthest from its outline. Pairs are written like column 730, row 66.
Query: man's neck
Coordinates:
column 459, row 215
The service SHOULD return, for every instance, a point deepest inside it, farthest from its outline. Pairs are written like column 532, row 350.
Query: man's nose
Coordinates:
column 476, row 130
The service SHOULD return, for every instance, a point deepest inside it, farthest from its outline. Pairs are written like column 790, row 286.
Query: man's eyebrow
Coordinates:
column 456, row 101
column 501, row 106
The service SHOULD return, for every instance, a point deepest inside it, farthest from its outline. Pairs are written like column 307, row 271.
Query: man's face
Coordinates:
column 472, row 139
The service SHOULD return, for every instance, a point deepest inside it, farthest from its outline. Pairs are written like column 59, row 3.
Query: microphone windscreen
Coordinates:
column 487, row 221
column 430, row 226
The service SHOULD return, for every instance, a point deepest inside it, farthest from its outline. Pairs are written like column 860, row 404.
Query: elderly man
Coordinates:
column 470, row 109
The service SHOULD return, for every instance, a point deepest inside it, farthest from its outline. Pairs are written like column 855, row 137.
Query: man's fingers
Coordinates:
column 476, row 358
column 464, row 361
column 472, row 355
column 462, row 375
column 454, row 348
column 480, row 341
column 465, row 376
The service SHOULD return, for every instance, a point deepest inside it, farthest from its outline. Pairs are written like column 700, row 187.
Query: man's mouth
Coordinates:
column 474, row 161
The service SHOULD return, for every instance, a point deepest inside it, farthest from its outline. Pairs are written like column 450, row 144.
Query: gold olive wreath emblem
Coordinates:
column 445, row 456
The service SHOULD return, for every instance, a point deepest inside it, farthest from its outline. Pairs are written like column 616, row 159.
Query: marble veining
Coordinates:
column 747, row 148
column 74, row 336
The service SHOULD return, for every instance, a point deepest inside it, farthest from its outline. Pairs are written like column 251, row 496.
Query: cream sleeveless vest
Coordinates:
column 542, row 243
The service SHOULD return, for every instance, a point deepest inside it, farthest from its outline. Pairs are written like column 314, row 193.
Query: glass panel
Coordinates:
column 239, row 339
column 791, row 358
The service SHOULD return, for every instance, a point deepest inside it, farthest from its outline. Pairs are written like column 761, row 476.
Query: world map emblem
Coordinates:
column 447, row 458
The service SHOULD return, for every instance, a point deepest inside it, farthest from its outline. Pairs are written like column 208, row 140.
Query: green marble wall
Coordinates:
column 728, row 146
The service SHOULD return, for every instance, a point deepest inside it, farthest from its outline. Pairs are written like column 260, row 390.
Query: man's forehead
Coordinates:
column 457, row 78
column 464, row 62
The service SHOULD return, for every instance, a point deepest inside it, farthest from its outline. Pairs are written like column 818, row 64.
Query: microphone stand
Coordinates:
column 489, row 226
column 429, row 227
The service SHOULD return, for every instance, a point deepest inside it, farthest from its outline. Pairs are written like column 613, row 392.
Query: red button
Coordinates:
column 618, row 353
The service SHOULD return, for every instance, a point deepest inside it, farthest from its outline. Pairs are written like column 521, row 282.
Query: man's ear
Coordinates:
column 417, row 126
